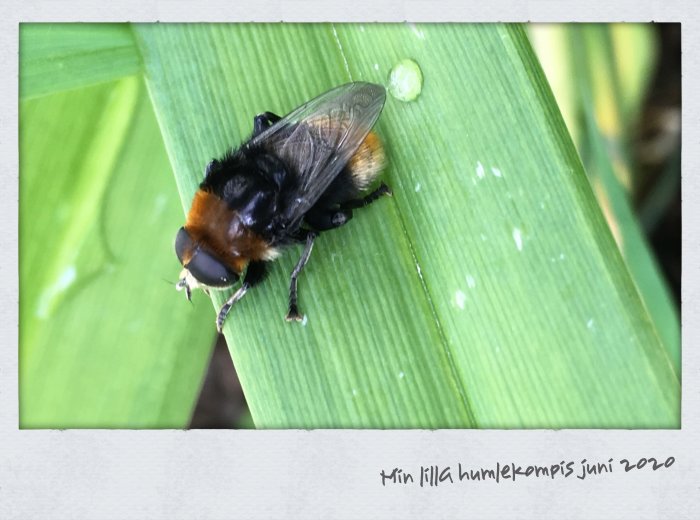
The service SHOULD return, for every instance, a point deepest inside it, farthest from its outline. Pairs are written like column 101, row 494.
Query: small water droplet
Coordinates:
column 420, row 273
column 417, row 31
column 479, row 170
column 460, row 299
column 405, row 80
column 518, row 239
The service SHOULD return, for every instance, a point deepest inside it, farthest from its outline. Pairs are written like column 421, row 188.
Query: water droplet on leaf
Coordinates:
column 405, row 80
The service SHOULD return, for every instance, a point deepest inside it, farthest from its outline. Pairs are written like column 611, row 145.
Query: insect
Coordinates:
column 296, row 177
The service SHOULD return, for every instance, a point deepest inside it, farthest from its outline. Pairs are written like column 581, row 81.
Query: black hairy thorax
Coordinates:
column 258, row 186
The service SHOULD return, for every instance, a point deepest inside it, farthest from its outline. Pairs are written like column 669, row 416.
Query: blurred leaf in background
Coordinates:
column 487, row 293
column 103, row 341
column 600, row 75
column 57, row 57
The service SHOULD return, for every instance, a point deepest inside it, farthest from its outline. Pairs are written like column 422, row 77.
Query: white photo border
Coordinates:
column 173, row 474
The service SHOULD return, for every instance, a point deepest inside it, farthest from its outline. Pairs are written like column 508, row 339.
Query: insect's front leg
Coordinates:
column 264, row 121
column 253, row 276
column 293, row 311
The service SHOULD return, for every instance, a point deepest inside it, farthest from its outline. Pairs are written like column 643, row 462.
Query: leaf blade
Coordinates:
column 593, row 90
column 400, row 336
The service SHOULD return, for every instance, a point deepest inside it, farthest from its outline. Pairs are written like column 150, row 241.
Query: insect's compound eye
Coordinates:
column 209, row 270
column 201, row 264
column 183, row 244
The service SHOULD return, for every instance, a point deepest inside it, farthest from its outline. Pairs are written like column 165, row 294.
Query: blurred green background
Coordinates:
column 117, row 122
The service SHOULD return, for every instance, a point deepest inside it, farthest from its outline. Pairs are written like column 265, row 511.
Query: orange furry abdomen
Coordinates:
column 368, row 161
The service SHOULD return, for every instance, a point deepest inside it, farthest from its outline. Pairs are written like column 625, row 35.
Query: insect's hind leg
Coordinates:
column 293, row 311
column 383, row 189
column 322, row 219
column 264, row 121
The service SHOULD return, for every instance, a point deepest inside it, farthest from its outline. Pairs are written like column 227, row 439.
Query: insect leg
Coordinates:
column 263, row 121
column 293, row 311
column 324, row 219
column 253, row 276
column 365, row 201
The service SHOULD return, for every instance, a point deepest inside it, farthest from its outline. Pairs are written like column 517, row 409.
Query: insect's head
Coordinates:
column 202, row 267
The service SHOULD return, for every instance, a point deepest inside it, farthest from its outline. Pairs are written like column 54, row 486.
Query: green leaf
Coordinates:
column 487, row 293
column 103, row 342
column 56, row 57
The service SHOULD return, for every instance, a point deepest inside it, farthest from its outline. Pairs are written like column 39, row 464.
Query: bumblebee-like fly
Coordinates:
column 295, row 177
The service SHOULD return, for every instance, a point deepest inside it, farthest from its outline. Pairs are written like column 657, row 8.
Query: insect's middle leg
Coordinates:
column 264, row 121
column 293, row 311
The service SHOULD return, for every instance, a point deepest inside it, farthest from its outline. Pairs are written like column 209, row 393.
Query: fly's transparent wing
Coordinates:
column 319, row 138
